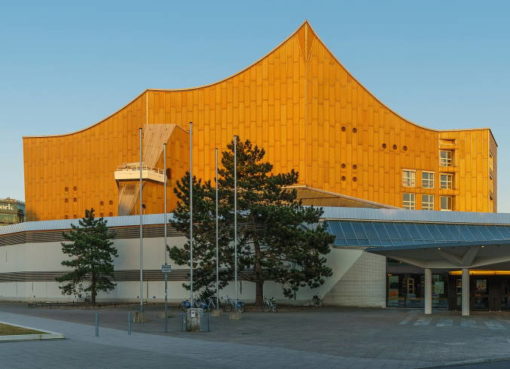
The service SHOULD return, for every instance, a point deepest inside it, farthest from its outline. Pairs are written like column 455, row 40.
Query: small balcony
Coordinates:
column 131, row 172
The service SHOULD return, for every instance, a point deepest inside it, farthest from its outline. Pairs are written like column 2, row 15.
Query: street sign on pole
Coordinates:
column 166, row 268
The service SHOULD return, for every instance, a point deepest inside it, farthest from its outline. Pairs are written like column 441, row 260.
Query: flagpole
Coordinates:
column 191, row 210
column 165, row 220
column 217, row 228
column 140, row 131
column 235, row 220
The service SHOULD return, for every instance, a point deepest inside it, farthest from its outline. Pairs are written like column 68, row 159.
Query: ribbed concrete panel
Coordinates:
column 364, row 284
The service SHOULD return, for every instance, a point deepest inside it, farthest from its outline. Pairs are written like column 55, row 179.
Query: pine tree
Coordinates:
column 278, row 239
column 91, row 254
column 204, row 237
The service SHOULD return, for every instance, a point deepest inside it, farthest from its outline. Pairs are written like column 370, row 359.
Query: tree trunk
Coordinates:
column 93, row 291
column 259, row 293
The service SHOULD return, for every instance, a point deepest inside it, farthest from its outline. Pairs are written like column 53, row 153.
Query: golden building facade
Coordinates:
column 298, row 103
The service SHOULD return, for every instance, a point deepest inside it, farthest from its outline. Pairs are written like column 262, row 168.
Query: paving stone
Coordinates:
column 324, row 338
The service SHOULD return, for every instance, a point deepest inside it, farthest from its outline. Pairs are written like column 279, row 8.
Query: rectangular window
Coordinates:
column 408, row 178
column 408, row 201
column 427, row 202
column 427, row 179
column 446, row 181
column 446, row 203
column 446, row 158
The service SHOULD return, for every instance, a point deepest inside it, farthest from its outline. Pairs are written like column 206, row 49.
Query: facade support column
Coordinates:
column 428, row 291
column 465, row 292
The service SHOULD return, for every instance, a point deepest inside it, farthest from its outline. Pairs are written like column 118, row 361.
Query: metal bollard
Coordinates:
column 130, row 321
column 166, row 322
column 97, row 324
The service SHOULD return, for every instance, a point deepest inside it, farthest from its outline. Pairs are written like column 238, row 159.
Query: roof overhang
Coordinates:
column 449, row 255
column 317, row 197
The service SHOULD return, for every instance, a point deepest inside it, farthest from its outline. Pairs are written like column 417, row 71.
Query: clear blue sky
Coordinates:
column 65, row 65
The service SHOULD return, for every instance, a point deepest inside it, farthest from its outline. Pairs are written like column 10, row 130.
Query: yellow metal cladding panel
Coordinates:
column 300, row 104
column 66, row 174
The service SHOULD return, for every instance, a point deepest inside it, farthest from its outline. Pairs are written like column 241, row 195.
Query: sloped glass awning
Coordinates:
column 397, row 235
column 427, row 245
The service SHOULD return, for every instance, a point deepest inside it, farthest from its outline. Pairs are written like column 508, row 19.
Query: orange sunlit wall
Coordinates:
column 302, row 106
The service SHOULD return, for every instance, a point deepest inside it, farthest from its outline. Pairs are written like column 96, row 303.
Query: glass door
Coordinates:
column 480, row 299
column 505, row 293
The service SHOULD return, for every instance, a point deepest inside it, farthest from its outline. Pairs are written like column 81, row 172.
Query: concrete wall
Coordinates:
column 358, row 278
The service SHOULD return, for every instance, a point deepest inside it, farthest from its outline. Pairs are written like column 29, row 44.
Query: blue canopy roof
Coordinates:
column 405, row 234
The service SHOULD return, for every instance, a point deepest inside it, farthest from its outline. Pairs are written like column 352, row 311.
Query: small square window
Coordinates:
column 445, row 158
column 408, row 201
column 427, row 202
column 446, row 203
column 408, row 178
column 427, row 179
column 446, row 181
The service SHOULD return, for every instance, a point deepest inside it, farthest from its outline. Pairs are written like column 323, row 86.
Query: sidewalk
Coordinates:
column 115, row 349
column 325, row 338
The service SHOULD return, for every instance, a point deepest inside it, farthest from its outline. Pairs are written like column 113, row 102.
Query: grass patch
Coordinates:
column 11, row 330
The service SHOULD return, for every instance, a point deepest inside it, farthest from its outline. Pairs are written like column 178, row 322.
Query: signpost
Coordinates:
column 165, row 269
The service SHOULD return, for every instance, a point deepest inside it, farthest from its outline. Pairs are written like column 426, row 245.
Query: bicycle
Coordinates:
column 316, row 301
column 185, row 305
column 230, row 305
column 270, row 305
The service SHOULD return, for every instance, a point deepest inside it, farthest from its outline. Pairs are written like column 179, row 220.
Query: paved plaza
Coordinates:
column 325, row 338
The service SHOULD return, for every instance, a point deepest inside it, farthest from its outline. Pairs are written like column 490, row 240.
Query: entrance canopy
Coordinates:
column 427, row 240
column 451, row 255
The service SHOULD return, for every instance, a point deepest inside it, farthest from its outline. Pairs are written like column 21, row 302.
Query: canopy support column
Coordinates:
column 428, row 291
column 465, row 292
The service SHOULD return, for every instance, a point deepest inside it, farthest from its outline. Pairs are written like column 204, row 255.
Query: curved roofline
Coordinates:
column 93, row 125
column 304, row 24
column 363, row 87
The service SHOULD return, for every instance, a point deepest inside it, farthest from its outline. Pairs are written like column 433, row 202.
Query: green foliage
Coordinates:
column 91, row 253
column 278, row 238
column 204, row 237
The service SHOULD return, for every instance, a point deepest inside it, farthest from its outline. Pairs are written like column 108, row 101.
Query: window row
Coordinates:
column 427, row 179
column 427, row 202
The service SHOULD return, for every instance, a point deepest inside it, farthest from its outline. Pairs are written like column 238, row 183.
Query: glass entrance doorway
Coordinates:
column 487, row 292
column 407, row 290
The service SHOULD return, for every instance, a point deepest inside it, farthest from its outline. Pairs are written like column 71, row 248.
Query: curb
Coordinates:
column 467, row 362
column 45, row 335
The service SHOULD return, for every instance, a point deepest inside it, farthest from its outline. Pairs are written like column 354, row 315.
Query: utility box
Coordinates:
column 193, row 316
